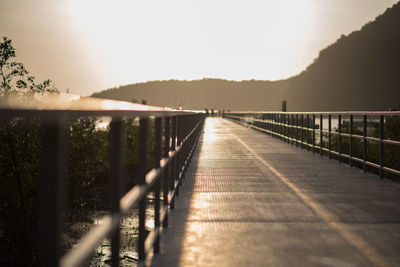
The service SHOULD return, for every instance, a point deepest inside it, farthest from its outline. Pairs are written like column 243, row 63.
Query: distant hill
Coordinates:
column 360, row 71
column 205, row 93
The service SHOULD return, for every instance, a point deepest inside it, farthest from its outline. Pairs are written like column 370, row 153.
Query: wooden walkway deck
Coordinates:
column 251, row 200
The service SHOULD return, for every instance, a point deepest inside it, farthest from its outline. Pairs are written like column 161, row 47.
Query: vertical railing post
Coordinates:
column 365, row 156
column 184, row 145
column 115, row 182
column 183, row 136
column 351, row 141
column 282, row 131
column 313, row 134
column 273, row 124
column 157, row 154
column 273, row 121
column 180, row 138
column 283, row 127
column 287, row 128
column 278, row 126
column 278, row 116
column 143, row 136
column 167, row 137
column 308, row 132
column 381, row 145
column 297, row 129
column 302, row 130
column 330, row 135
column 178, row 155
column 51, row 193
column 321, row 140
column 292, row 129
column 188, row 130
column 173, row 161
column 340, row 138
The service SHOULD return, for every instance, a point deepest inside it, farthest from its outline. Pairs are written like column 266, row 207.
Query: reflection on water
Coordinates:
column 129, row 237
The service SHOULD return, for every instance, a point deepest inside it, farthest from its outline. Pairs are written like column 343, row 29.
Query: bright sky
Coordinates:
column 91, row 45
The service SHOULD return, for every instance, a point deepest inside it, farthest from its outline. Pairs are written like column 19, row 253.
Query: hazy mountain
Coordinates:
column 360, row 71
column 205, row 93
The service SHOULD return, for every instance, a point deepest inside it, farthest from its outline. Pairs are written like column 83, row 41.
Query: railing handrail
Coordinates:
column 358, row 113
column 83, row 106
column 180, row 132
column 289, row 125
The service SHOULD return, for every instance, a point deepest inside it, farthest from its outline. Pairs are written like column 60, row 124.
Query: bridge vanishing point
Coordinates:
column 249, row 199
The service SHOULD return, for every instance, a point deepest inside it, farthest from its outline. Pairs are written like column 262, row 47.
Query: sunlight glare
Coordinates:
column 201, row 202
column 196, row 227
column 108, row 104
column 209, row 130
column 158, row 40
column 125, row 105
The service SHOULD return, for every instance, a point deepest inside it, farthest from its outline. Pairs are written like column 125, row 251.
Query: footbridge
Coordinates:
column 249, row 199
column 245, row 189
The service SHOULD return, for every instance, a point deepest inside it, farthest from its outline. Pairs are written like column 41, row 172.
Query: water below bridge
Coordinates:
column 251, row 200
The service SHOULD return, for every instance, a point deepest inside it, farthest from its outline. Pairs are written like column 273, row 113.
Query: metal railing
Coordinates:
column 306, row 129
column 178, row 129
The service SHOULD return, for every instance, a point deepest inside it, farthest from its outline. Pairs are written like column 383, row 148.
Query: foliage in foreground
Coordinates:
column 87, row 169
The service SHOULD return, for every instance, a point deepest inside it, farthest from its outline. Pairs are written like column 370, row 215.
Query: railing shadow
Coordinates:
column 172, row 239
